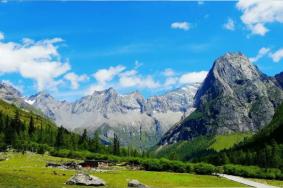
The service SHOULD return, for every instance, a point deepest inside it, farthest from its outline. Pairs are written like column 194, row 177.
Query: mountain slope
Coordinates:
column 279, row 78
column 136, row 120
column 235, row 97
column 263, row 149
column 11, row 95
column 200, row 146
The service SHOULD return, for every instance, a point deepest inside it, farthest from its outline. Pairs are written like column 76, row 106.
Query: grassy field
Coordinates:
column 29, row 170
column 277, row 183
column 227, row 141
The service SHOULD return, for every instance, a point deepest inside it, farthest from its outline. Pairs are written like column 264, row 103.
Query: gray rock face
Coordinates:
column 279, row 79
column 137, row 184
column 235, row 97
column 85, row 179
column 133, row 118
column 11, row 95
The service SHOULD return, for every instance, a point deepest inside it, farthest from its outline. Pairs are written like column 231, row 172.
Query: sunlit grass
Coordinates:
column 29, row 170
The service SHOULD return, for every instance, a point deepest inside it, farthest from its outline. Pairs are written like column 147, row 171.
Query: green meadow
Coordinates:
column 28, row 170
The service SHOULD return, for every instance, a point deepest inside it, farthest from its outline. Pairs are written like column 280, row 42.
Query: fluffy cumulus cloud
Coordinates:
column 120, row 77
column 193, row 77
column 229, row 25
column 181, row 25
column 105, row 75
column 37, row 60
column 75, row 79
column 266, row 52
column 277, row 56
column 104, row 78
column 258, row 13
column 261, row 53
column 133, row 79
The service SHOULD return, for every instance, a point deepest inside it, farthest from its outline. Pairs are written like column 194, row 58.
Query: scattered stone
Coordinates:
column 68, row 165
column 136, row 183
column 72, row 165
column 85, row 179
column 54, row 165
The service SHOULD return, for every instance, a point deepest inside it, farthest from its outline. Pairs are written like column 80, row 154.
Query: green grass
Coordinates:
column 29, row 170
column 227, row 141
column 277, row 183
column 187, row 150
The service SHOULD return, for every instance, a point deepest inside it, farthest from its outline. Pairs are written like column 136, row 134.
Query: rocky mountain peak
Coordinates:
column 7, row 91
column 234, row 97
column 110, row 91
column 234, row 66
column 41, row 94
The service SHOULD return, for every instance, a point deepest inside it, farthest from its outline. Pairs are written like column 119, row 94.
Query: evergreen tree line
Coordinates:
column 39, row 136
column 267, row 155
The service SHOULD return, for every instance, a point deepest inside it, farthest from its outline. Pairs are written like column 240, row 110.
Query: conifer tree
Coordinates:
column 31, row 128
column 116, row 145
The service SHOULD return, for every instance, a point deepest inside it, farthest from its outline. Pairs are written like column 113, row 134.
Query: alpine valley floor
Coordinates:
column 28, row 170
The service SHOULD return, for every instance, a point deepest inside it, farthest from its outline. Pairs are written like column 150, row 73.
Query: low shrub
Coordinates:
column 204, row 168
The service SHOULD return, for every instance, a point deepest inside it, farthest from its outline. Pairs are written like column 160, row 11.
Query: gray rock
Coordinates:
column 85, row 179
column 136, row 183
column 279, row 79
column 129, row 116
column 11, row 95
column 235, row 97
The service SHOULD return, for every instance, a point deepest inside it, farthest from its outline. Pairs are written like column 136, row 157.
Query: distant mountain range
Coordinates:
column 137, row 121
column 234, row 97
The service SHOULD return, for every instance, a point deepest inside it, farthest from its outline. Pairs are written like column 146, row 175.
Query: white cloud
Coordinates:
column 105, row 75
column 95, row 87
column 38, row 60
column 181, row 25
column 75, row 79
column 132, row 79
column 168, row 72
column 229, row 25
column 258, row 13
column 120, row 77
column 170, row 81
column 193, row 77
column 2, row 36
column 262, row 52
column 277, row 56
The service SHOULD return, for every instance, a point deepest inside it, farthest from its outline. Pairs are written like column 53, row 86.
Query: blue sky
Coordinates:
column 71, row 49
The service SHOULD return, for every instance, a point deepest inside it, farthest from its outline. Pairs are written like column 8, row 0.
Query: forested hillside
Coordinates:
column 24, row 130
column 264, row 149
column 201, row 146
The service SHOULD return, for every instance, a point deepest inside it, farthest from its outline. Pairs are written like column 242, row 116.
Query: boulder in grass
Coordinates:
column 85, row 179
column 137, row 184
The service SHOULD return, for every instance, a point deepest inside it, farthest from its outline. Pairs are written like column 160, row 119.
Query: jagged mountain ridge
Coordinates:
column 279, row 79
column 13, row 96
column 137, row 121
column 234, row 97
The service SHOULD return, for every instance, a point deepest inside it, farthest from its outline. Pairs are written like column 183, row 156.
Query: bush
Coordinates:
column 253, row 171
column 151, row 165
column 41, row 149
column 204, row 168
